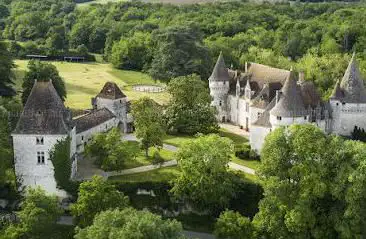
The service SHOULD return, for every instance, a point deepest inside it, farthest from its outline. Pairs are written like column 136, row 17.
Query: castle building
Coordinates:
column 45, row 121
column 262, row 98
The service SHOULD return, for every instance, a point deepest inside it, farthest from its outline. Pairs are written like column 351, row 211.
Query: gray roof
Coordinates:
column 291, row 103
column 92, row 119
column 111, row 91
column 220, row 71
column 263, row 120
column 266, row 74
column 337, row 92
column 352, row 85
column 44, row 112
column 265, row 96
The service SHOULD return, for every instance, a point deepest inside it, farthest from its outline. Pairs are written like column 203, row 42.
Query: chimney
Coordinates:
column 301, row 76
column 246, row 67
column 277, row 96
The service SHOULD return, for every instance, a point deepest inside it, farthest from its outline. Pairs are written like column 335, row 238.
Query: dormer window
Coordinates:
column 40, row 140
column 220, row 103
column 279, row 118
column 40, row 158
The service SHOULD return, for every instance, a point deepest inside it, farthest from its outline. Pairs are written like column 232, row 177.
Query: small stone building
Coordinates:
column 45, row 120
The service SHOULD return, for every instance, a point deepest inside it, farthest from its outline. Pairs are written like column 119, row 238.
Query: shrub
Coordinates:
column 157, row 159
column 253, row 155
column 242, row 151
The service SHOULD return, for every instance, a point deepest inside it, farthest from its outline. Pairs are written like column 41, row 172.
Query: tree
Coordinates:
column 312, row 185
column 109, row 150
column 190, row 113
column 37, row 218
column 131, row 223
column 94, row 197
column 6, row 74
column 148, row 120
column 179, row 52
column 60, row 157
column 132, row 53
column 232, row 225
column 42, row 71
column 204, row 179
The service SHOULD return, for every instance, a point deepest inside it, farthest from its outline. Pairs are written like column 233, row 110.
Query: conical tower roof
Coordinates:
column 290, row 103
column 337, row 91
column 352, row 84
column 44, row 112
column 220, row 72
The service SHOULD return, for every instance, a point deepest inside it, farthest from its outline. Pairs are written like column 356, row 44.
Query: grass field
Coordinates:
column 156, row 175
column 85, row 80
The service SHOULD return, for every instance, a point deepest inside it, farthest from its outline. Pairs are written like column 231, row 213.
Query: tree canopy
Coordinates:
column 312, row 185
column 37, row 218
column 42, row 71
column 149, row 123
column 94, row 197
column 204, row 179
column 190, row 113
column 232, row 225
column 131, row 223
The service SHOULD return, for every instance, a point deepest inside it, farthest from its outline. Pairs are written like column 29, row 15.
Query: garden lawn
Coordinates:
column 141, row 160
column 254, row 164
column 156, row 175
column 85, row 80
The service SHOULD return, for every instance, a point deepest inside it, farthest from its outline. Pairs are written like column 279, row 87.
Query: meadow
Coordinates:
column 85, row 80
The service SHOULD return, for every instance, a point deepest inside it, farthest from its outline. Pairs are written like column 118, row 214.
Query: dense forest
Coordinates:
column 169, row 41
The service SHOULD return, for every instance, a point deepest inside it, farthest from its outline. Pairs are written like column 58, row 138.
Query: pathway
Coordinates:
column 234, row 129
column 141, row 169
column 86, row 169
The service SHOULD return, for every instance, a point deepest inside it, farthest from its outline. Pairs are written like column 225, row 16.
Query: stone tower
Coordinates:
column 43, row 122
column 112, row 98
column 219, row 88
column 348, row 101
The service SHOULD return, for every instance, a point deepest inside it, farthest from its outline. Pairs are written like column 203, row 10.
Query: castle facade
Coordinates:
column 263, row 98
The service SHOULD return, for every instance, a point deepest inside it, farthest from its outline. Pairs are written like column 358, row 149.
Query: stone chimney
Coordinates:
column 301, row 76
column 246, row 67
column 277, row 96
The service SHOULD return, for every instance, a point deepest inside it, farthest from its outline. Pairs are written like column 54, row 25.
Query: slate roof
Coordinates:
column 44, row 112
column 291, row 103
column 111, row 91
column 263, row 120
column 92, row 119
column 265, row 74
column 351, row 89
column 310, row 95
column 220, row 71
column 265, row 96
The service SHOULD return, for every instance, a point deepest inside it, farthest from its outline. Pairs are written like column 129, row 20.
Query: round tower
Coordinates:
column 219, row 88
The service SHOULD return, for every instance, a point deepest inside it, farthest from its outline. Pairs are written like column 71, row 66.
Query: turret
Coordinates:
column 289, row 108
column 219, row 88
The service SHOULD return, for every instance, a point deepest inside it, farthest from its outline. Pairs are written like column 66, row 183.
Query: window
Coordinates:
column 247, row 107
column 259, row 114
column 220, row 103
column 82, row 138
column 305, row 117
column 40, row 157
column 40, row 140
column 279, row 118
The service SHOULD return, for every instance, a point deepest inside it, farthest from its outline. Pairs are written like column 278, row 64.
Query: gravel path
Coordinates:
column 141, row 169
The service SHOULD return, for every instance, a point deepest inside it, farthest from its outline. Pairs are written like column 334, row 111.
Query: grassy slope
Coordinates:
column 85, row 80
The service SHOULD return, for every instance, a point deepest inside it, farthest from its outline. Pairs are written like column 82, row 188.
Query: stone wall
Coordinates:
column 27, row 168
column 84, row 137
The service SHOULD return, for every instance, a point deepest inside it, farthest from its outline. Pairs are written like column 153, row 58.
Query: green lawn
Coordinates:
column 245, row 162
column 85, row 80
column 141, row 160
column 157, row 175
